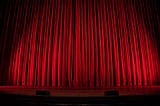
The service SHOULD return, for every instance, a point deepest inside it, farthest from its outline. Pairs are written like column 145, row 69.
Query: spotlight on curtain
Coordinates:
column 79, row 43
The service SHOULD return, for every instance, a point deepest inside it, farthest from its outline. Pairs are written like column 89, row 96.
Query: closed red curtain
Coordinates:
column 79, row 43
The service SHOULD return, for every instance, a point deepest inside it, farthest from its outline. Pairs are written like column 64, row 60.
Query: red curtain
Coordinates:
column 80, row 43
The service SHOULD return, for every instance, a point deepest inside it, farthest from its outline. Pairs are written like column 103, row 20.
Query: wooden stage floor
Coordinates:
column 72, row 92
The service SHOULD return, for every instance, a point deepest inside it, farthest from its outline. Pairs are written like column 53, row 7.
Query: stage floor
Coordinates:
column 73, row 92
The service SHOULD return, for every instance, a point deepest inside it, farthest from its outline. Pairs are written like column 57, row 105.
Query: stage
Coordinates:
column 126, row 96
column 83, row 92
